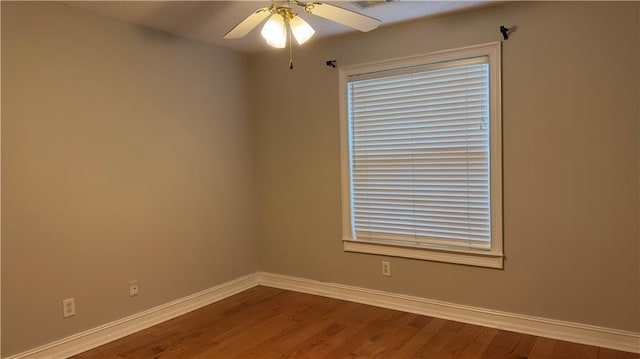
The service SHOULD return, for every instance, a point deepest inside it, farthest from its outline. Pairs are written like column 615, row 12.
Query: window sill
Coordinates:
column 472, row 258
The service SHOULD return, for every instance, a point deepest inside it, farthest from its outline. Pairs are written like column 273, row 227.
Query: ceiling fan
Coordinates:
column 282, row 17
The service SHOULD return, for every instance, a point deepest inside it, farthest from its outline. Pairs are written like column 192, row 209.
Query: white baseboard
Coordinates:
column 550, row 328
column 103, row 334
column 556, row 329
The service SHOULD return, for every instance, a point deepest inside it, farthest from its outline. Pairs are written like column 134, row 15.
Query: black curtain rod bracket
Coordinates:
column 506, row 31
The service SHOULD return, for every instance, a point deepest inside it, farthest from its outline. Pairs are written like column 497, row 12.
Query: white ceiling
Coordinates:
column 209, row 21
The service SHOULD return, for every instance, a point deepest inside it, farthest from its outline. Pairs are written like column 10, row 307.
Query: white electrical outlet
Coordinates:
column 133, row 288
column 386, row 268
column 68, row 307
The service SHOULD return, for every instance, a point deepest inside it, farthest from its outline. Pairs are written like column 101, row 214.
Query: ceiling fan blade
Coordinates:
column 343, row 16
column 248, row 24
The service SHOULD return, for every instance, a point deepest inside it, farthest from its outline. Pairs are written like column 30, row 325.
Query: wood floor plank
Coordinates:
column 285, row 333
column 438, row 342
column 454, row 347
column 604, row 353
column 419, row 340
column 480, row 344
column 295, row 329
column 179, row 344
column 542, row 348
column 116, row 348
column 343, row 335
column 398, row 339
column 224, row 338
column 171, row 332
column 389, row 337
column 502, row 345
column 268, row 323
column 564, row 350
column 222, row 309
column 328, row 324
column 523, row 347
column 586, row 352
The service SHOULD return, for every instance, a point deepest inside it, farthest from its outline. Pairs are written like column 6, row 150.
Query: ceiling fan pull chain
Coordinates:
column 290, row 49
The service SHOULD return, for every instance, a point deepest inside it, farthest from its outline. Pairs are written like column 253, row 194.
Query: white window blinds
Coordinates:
column 419, row 152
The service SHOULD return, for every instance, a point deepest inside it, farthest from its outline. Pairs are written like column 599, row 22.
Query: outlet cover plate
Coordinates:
column 68, row 307
column 133, row 288
column 386, row 268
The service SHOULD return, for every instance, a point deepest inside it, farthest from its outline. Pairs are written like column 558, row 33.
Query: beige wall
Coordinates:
column 125, row 155
column 570, row 93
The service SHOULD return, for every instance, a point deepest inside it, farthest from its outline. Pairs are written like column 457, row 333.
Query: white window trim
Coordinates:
column 492, row 258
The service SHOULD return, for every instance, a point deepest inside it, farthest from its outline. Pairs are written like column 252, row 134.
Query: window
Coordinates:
column 421, row 157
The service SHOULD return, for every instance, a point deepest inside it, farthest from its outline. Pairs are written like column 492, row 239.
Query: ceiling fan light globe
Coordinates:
column 274, row 31
column 301, row 30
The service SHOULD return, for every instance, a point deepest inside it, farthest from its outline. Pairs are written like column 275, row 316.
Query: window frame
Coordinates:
column 492, row 258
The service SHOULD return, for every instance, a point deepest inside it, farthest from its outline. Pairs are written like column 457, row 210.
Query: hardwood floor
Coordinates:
column 270, row 323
